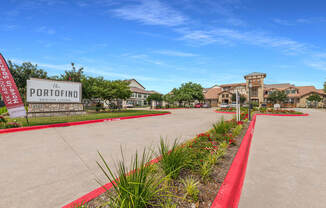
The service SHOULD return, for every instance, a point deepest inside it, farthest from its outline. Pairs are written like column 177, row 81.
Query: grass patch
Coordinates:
column 89, row 116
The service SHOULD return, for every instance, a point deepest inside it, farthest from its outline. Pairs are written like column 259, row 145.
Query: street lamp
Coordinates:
column 249, row 95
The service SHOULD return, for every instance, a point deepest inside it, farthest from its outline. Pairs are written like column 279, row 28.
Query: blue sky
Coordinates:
column 165, row 43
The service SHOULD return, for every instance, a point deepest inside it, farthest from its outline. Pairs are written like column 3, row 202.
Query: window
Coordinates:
column 139, row 95
column 254, row 92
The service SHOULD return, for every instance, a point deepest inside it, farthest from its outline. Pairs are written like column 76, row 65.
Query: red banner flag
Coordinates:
column 9, row 91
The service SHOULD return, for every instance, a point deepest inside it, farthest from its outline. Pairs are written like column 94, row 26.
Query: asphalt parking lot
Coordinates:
column 52, row 167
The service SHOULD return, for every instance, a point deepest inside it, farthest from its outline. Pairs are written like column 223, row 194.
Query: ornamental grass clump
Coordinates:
column 135, row 186
column 237, row 130
column 173, row 159
column 191, row 188
column 206, row 170
column 221, row 128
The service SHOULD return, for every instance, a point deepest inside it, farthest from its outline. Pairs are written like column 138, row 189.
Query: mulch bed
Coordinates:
column 208, row 189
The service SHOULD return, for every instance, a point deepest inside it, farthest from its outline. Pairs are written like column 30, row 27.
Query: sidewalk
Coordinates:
column 286, row 166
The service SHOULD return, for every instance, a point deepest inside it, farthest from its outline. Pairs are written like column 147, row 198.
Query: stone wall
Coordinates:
column 55, row 109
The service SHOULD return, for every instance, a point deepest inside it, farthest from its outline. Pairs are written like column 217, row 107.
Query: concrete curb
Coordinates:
column 29, row 128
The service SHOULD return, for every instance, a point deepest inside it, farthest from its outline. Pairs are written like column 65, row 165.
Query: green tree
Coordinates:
column 21, row 73
column 277, row 96
column 325, row 87
column 169, row 98
column 97, row 88
column 121, row 90
column 315, row 99
column 74, row 75
column 242, row 98
column 157, row 97
column 188, row 92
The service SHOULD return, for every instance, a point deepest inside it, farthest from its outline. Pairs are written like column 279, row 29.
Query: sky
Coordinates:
column 164, row 43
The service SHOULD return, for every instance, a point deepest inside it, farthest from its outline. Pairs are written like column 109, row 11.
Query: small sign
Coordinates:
column 9, row 92
column 52, row 91
column 277, row 106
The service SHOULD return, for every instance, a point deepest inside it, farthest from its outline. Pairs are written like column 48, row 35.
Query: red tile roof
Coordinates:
column 138, row 90
column 233, row 85
column 212, row 93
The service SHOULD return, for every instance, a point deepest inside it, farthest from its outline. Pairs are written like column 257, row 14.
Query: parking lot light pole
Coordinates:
column 249, row 95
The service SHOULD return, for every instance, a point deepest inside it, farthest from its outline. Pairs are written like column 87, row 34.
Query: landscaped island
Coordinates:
column 261, row 110
column 10, row 123
column 185, row 175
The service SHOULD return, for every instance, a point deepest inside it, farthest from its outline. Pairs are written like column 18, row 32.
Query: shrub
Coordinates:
column 13, row 125
column 3, row 120
column 221, row 128
column 263, row 110
column 136, row 189
column 172, row 158
column 237, row 130
column 3, row 110
column 190, row 185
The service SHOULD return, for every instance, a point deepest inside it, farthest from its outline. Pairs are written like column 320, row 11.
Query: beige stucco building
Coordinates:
column 259, row 92
column 139, row 94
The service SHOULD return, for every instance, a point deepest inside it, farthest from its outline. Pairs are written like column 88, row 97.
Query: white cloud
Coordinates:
column 143, row 58
column 175, row 53
column 201, row 37
column 59, row 67
column 107, row 72
column 8, row 27
column 235, row 21
column 317, row 61
column 46, row 30
column 151, row 12
column 282, row 22
column 230, row 36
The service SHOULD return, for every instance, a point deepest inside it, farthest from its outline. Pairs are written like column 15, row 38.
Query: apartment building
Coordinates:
column 259, row 92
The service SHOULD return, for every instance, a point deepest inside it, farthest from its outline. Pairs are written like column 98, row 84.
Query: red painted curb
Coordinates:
column 170, row 108
column 229, row 193
column 266, row 114
column 29, row 128
column 230, row 190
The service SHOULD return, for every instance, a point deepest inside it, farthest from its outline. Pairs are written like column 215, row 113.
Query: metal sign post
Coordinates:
column 237, row 106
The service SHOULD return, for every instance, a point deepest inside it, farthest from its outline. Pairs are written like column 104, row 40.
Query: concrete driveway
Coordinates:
column 52, row 167
column 287, row 163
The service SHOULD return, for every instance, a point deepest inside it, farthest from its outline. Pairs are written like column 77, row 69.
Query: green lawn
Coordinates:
column 89, row 116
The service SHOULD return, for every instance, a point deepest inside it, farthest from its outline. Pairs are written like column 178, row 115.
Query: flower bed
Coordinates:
column 226, row 109
column 4, row 124
column 185, row 175
column 272, row 111
column 262, row 110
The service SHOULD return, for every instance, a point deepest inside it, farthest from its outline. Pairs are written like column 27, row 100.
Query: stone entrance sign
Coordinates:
column 53, row 98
